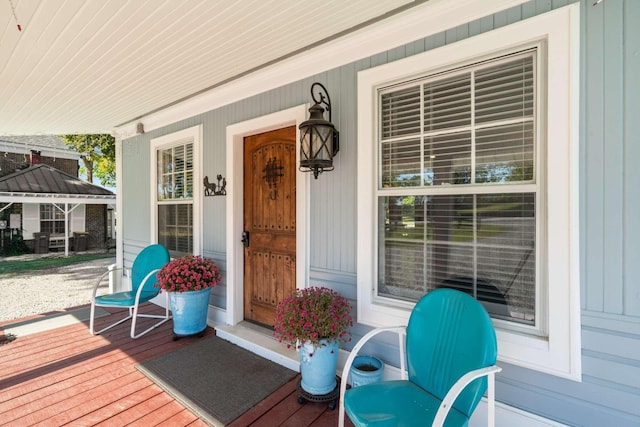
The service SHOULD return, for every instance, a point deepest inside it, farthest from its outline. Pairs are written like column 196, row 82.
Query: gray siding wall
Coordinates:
column 609, row 394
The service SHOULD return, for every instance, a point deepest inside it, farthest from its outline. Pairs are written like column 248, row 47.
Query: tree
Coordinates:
column 98, row 153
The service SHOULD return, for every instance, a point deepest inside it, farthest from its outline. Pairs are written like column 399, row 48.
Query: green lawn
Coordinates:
column 12, row 267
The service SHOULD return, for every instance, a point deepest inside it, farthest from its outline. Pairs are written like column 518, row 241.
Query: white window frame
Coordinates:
column 75, row 221
column 185, row 136
column 556, row 35
column 56, row 213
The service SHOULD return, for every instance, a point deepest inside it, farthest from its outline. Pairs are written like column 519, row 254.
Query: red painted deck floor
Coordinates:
column 66, row 376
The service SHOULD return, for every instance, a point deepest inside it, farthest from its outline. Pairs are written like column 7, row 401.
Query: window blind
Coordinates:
column 470, row 128
column 430, row 130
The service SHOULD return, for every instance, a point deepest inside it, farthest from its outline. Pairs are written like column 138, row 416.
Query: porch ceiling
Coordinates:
column 87, row 66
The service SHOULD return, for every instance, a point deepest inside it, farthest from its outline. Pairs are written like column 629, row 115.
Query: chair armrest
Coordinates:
column 105, row 274
column 400, row 330
column 457, row 388
column 144, row 281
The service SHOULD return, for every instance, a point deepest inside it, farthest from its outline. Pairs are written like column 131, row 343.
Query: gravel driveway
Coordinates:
column 26, row 294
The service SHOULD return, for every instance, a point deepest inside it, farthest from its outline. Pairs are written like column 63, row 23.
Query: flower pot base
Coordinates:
column 200, row 334
column 331, row 397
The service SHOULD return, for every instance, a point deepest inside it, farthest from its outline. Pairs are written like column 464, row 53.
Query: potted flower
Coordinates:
column 316, row 320
column 189, row 280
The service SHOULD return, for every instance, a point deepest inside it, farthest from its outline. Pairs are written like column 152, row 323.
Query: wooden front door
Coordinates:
column 269, row 222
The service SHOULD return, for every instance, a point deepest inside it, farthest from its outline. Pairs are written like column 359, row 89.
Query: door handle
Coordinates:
column 245, row 239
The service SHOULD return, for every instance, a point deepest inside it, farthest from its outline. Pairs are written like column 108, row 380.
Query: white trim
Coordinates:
column 560, row 353
column 115, row 281
column 193, row 134
column 421, row 21
column 235, row 211
column 56, row 198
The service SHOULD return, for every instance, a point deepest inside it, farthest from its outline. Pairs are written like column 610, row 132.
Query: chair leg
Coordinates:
column 91, row 316
column 134, row 315
column 91, row 322
column 155, row 325
column 341, row 414
column 491, row 400
column 164, row 318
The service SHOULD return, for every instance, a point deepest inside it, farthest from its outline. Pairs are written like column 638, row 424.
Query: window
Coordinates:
column 175, row 198
column 175, row 195
column 468, row 179
column 457, row 195
column 51, row 219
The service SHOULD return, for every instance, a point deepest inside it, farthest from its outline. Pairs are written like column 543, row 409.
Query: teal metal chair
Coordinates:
column 448, row 353
column 142, row 279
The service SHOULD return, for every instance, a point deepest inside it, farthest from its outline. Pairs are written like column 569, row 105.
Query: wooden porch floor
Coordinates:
column 66, row 376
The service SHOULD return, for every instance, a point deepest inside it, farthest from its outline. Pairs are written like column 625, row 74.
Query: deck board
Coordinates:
column 66, row 376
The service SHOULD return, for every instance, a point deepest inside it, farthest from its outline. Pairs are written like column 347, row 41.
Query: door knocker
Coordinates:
column 272, row 175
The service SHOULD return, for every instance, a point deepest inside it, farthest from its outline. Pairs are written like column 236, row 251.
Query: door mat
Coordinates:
column 215, row 379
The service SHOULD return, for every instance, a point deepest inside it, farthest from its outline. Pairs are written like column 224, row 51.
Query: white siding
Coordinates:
column 609, row 393
column 30, row 220
column 77, row 219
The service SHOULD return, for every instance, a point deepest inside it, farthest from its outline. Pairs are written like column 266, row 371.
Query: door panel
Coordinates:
column 270, row 219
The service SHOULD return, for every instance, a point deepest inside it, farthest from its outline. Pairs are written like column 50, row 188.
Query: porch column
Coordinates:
column 66, row 229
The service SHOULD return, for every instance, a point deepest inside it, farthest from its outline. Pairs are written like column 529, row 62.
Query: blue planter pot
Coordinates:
column 189, row 311
column 318, row 367
column 366, row 370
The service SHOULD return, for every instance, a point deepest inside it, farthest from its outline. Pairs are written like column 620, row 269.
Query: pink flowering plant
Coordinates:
column 312, row 314
column 188, row 273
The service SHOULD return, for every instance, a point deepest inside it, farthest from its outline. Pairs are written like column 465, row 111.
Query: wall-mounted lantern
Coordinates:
column 318, row 137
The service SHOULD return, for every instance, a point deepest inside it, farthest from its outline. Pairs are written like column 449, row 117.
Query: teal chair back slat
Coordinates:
column 449, row 334
column 150, row 258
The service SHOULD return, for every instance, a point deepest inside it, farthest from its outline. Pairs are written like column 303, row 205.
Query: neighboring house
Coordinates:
column 498, row 150
column 40, row 192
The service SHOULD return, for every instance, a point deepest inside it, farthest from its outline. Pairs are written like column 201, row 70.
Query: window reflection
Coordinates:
column 482, row 244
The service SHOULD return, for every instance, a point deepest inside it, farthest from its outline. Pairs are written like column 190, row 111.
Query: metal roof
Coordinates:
column 46, row 184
